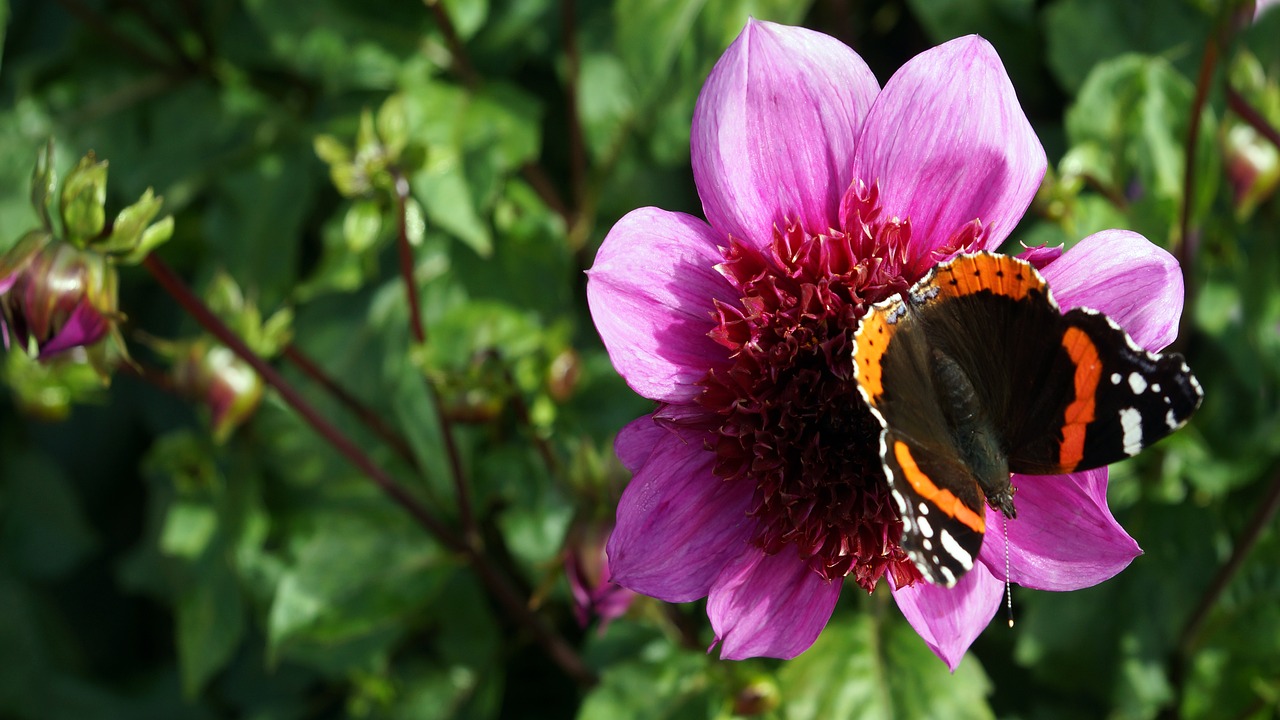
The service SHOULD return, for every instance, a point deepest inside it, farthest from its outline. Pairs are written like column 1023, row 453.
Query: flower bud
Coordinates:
column 1253, row 168
column 227, row 385
column 55, row 295
column 587, row 567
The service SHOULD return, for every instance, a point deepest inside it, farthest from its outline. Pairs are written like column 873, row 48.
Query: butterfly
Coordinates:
column 975, row 373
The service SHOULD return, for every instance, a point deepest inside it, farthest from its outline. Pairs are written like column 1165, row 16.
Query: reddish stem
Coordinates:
column 498, row 585
column 1251, row 116
column 366, row 414
column 210, row 322
column 465, row 510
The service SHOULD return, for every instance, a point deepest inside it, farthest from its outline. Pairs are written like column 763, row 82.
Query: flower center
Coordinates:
column 791, row 421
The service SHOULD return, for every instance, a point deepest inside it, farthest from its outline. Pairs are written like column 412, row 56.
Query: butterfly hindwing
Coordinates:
column 942, row 530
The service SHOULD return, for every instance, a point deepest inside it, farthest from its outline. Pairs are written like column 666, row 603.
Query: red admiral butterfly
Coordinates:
column 975, row 373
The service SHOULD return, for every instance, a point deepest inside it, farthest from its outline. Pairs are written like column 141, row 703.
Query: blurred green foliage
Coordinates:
column 147, row 571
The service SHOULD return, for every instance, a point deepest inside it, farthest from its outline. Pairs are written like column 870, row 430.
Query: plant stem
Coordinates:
column 577, row 145
column 498, row 585
column 456, row 471
column 1262, row 517
column 366, row 414
column 1188, row 240
column 172, row 284
column 1251, row 116
column 461, row 62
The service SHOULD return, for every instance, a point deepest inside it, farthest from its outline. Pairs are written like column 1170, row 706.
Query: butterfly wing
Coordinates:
column 1123, row 399
column 942, row 507
column 1066, row 392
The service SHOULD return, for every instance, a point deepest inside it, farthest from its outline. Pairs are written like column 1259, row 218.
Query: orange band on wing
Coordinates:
column 948, row 503
column 1079, row 414
column 872, row 339
column 1003, row 275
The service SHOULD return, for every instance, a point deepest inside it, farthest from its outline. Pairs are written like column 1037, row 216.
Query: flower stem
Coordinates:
column 499, row 586
column 577, row 147
column 1262, row 517
column 461, row 487
column 365, row 413
column 1189, row 638
column 172, row 284
column 461, row 61
column 1208, row 62
column 1251, row 116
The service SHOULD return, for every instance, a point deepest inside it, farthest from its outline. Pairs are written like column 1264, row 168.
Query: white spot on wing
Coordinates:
column 924, row 508
column 927, row 544
column 1131, row 421
column 925, row 528
column 953, row 549
column 1137, row 383
column 1115, row 378
column 1170, row 420
column 948, row 577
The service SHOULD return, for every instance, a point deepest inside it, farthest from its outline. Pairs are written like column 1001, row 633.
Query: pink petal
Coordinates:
column 1041, row 256
column 769, row 605
column 636, row 441
column 1125, row 276
column 1064, row 537
column 948, row 143
column 950, row 619
column 775, row 128
column 85, row 327
column 678, row 523
column 650, row 292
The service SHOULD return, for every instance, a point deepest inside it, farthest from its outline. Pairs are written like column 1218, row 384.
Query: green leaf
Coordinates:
column 130, row 223
column 393, row 126
column 659, row 682
column 443, row 190
column 468, row 16
column 1235, row 671
column 331, row 150
column 84, row 199
column 156, row 234
column 210, row 622
column 355, row 584
column 255, row 220
column 872, row 666
column 188, row 529
column 607, row 103
column 361, row 225
column 1083, row 33
column 1128, row 129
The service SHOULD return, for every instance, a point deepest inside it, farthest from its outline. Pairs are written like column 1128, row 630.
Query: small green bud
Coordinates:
column 84, row 200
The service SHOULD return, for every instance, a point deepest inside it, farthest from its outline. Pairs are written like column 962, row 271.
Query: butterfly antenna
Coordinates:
column 1008, row 588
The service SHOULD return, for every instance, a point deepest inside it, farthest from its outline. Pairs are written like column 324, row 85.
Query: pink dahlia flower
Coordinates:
column 757, row 481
